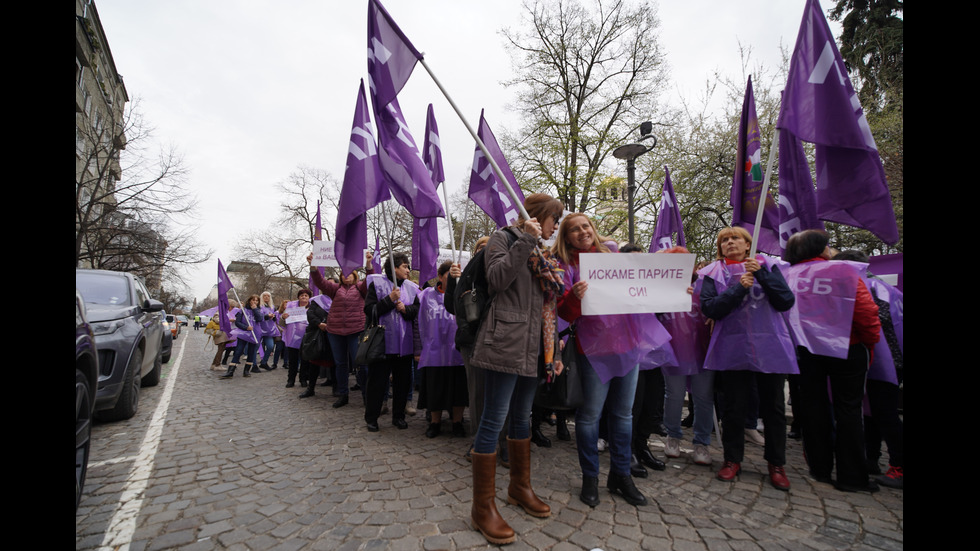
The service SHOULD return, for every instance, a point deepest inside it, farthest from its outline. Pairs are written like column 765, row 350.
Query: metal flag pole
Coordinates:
column 764, row 194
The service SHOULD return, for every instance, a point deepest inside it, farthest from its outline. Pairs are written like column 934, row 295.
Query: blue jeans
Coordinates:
column 268, row 345
column 618, row 396
column 248, row 348
column 702, row 392
column 505, row 392
column 344, row 349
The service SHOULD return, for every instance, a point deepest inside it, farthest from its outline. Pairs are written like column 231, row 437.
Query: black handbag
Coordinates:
column 371, row 343
column 314, row 346
column 562, row 392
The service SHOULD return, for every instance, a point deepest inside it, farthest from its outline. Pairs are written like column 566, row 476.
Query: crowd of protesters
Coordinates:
column 757, row 326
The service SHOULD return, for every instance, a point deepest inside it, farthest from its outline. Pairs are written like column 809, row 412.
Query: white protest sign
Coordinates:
column 628, row 283
column 447, row 254
column 323, row 254
column 296, row 314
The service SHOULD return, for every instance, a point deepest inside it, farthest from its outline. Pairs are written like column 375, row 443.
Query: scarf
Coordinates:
column 551, row 278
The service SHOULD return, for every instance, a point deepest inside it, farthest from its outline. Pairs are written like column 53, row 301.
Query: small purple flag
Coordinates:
column 391, row 56
column 363, row 189
column 748, row 180
column 376, row 260
column 224, row 285
column 485, row 190
column 820, row 106
column 425, row 232
column 668, row 221
column 317, row 236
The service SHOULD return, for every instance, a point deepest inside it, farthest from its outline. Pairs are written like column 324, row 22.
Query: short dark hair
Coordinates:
column 852, row 254
column 308, row 292
column 445, row 267
column 399, row 258
column 631, row 248
column 804, row 245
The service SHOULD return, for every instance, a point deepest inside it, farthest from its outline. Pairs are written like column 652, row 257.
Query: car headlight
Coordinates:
column 107, row 327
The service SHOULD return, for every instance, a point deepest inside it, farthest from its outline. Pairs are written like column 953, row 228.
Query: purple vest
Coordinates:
column 244, row 334
column 268, row 326
column 615, row 344
column 754, row 337
column 437, row 328
column 292, row 335
column 820, row 320
column 883, row 365
column 689, row 338
column 398, row 332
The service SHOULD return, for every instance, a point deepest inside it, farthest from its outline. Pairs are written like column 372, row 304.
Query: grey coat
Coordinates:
column 509, row 338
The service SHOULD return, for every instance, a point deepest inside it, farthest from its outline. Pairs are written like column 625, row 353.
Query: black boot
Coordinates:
column 563, row 433
column 623, row 485
column 590, row 491
column 641, row 451
column 310, row 389
column 230, row 373
column 537, row 436
column 636, row 468
column 245, row 372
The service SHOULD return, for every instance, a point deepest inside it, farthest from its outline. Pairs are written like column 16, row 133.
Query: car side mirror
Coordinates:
column 152, row 305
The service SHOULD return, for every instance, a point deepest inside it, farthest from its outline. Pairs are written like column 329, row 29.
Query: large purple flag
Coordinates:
column 363, row 189
column 748, row 180
column 224, row 285
column 797, row 200
column 391, row 56
column 668, row 221
column 820, row 106
column 485, row 190
column 425, row 232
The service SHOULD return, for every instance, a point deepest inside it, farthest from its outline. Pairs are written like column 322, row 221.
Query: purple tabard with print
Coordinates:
column 615, row 344
column 754, row 337
column 689, row 338
column 820, row 320
column 244, row 334
column 883, row 365
column 398, row 331
column 438, row 330
column 268, row 326
column 323, row 301
column 292, row 336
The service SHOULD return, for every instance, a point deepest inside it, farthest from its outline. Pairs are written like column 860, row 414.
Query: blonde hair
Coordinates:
column 732, row 231
column 270, row 304
column 563, row 251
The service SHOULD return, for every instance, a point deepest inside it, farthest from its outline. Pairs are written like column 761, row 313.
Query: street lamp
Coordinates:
column 630, row 152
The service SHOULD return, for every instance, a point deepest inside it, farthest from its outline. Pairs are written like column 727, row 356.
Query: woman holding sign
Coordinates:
column 835, row 324
column 750, row 345
column 608, row 350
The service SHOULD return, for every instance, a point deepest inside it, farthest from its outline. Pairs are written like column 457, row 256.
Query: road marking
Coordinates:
column 122, row 526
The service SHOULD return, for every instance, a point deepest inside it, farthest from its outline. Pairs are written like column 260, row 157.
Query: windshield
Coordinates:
column 103, row 288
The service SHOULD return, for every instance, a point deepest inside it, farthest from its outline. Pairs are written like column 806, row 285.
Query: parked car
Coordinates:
column 167, row 342
column 128, row 334
column 182, row 319
column 86, row 380
column 174, row 325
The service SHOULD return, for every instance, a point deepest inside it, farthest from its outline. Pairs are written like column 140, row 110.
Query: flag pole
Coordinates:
column 479, row 142
column 449, row 220
column 243, row 310
column 391, row 257
column 764, row 194
column 462, row 232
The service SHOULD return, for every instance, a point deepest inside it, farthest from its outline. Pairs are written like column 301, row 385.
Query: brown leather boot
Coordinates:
column 519, row 492
column 484, row 515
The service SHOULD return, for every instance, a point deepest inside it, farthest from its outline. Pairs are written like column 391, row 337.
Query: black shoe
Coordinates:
column 458, row 430
column 372, row 426
column 273, row 367
column 309, row 392
column 539, row 439
column 647, row 458
column 794, row 434
column 590, row 491
column 341, row 402
column 326, row 383
column 661, row 430
column 290, row 384
column 356, row 387
column 551, row 419
column 302, row 382
column 433, row 430
column 636, row 468
column 623, row 485
column 266, row 367
column 563, row 433
column 400, row 423
column 871, row 487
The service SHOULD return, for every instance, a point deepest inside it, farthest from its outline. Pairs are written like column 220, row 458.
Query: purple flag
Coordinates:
column 363, row 189
column 485, row 190
column 425, row 232
column 797, row 200
column 668, row 221
column 747, row 184
column 224, row 285
column 820, row 106
column 391, row 56
column 317, row 236
column 375, row 261
column 405, row 172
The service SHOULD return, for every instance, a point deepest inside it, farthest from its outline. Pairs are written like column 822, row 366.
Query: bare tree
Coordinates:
column 588, row 75
column 132, row 209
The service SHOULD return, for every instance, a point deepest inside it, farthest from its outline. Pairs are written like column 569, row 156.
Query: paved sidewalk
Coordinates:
column 244, row 464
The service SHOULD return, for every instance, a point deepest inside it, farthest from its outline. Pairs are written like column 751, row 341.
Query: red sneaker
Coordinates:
column 777, row 475
column 894, row 478
column 729, row 471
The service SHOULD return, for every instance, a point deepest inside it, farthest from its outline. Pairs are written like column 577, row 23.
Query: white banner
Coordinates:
column 323, row 255
column 296, row 314
column 447, row 254
column 631, row 283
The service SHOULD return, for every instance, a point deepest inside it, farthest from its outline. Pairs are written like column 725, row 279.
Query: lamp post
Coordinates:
column 629, row 153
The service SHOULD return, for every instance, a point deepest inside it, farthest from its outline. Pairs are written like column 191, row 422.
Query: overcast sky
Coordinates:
column 248, row 91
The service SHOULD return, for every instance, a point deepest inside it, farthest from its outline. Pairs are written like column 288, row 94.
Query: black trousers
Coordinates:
column 648, row 404
column 399, row 370
column 834, row 430
column 736, row 389
column 884, row 423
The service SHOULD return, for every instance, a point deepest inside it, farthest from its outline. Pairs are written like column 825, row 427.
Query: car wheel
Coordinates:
column 83, row 431
column 153, row 377
column 166, row 358
column 129, row 397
